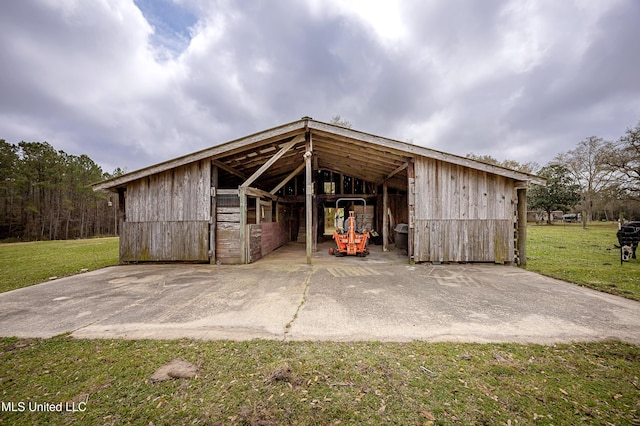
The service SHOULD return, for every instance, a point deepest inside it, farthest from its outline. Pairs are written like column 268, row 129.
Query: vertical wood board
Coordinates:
column 448, row 191
column 181, row 194
column 228, row 234
column 464, row 241
column 164, row 241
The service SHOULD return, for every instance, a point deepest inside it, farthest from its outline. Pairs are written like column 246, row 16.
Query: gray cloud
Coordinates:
column 514, row 80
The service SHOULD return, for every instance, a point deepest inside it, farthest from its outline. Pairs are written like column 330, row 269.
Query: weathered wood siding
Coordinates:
column 167, row 216
column 180, row 194
column 255, row 241
column 265, row 238
column 274, row 235
column 462, row 214
column 164, row 241
column 228, row 234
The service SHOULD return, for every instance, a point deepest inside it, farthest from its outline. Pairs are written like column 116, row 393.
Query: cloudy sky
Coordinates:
column 135, row 82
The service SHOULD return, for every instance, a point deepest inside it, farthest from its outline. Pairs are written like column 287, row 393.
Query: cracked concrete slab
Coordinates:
column 337, row 299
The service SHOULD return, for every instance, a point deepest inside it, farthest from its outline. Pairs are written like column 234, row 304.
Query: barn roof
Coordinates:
column 343, row 150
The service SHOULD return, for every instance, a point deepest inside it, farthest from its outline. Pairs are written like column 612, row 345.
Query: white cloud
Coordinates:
column 524, row 80
column 384, row 17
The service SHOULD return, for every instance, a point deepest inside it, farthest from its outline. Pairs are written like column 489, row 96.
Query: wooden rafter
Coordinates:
column 398, row 170
column 231, row 170
column 256, row 192
column 272, row 160
column 288, row 178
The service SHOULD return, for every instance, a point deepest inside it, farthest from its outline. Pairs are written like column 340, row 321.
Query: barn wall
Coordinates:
column 462, row 214
column 167, row 216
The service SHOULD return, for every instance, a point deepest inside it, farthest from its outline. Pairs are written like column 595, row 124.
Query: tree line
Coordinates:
column 598, row 177
column 46, row 195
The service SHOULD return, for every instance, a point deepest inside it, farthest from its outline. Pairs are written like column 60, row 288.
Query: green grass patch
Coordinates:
column 270, row 382
column 583, row 256
column 25, row 264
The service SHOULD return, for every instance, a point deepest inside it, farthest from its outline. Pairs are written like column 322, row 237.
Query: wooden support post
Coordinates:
column 314, row 231
column 411, row 195
column 122, row 217
column 214, row 217
column 522, row 226
column 385, row 217
column 243, row 225
column 308, row 197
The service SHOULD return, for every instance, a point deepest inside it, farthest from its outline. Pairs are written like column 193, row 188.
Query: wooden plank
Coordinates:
column 257, row 218
column 243, row 225
column 214, row 214
column 228, row 242
column 522, row 226
column 385, row 218
column 227, row 226
column 229, row 217
column 255, row 242
column 381, row 160
column 223, row 191
column 253, row 161
column 255, row 192
column 411, row 196
column 367, row 175
column 222, row 210
column 308, row 199
column 274, row 235
column 272, row 160
column 458, row 240
column 288, row 178
column 182, row 194
column 165, row 241
column 231, row 170
column 398, row 170
column 447, row 191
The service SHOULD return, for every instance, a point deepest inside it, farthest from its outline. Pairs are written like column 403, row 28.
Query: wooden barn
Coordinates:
column 238, row 201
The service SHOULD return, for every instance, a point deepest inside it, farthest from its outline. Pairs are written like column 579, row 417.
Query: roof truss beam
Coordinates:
column 398, row 170
column 231, row 170
column 288, row 178
column 272, row 160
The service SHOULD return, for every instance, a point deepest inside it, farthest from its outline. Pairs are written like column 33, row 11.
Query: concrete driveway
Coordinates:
column 341, row 299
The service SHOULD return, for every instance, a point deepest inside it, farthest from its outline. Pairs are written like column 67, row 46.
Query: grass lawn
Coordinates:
column 263, row 382
column 583, row 256
column 25, row 264
column 271, row 382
